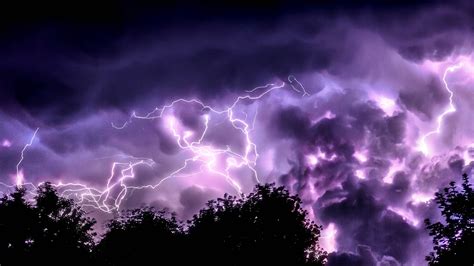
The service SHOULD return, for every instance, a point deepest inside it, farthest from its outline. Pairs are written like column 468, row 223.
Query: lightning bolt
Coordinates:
column 19, row 172
column 422, row 146
column 292, row 80
column 207, row 157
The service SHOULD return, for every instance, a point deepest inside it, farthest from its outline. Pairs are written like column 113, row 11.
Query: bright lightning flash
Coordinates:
column 219, row 161
column 422, row 145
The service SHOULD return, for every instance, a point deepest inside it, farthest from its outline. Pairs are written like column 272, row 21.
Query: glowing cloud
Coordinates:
column 328, row 238
column 6, row 143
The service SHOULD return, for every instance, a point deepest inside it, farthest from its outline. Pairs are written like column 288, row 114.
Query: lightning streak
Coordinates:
column 206, row 157
column 292, row 80
column 422, row 146
column 19, row 172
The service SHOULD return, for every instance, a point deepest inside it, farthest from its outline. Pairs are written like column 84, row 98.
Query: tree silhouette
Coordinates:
column 54, row 231
column 138, row 236
column 17, row 225
column 453, row 239
column 266, row 227
column 64, row 230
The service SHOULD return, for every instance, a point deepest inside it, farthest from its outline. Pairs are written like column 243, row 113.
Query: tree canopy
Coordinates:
column 453, row 239
column 50, row 232
column 138, row 236
column 267, row 226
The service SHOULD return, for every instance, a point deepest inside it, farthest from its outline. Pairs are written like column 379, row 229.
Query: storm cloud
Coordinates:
column 361, row 83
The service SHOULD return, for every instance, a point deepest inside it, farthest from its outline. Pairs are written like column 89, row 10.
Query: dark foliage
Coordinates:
column 453, row 240
column 267, row 227
column 51, row 232
column 17, row 226
column 138, row 236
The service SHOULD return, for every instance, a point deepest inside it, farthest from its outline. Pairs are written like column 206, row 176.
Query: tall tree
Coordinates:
column 453, row 239
column 54, row 231
column 140, row 236
column 17, row 224
column 266, row 227
column 64, row 231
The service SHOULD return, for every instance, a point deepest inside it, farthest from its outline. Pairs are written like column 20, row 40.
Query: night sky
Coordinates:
column 362, row 108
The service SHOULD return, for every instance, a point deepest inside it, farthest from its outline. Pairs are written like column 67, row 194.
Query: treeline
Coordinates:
column 266, row 227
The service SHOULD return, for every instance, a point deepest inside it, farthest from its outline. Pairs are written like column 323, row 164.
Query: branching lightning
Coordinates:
column 202, row 156
column 218, row 161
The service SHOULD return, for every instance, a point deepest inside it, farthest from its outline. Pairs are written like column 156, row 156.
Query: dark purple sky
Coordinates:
column 362, row 147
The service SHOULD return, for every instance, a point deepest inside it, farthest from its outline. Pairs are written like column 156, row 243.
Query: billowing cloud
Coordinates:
column 353, row 89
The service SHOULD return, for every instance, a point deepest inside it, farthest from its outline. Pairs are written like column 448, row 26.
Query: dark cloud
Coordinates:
column 363, row 257
column 56, row 72
column 291, row 123
column 427, row 36
column 361, row 218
